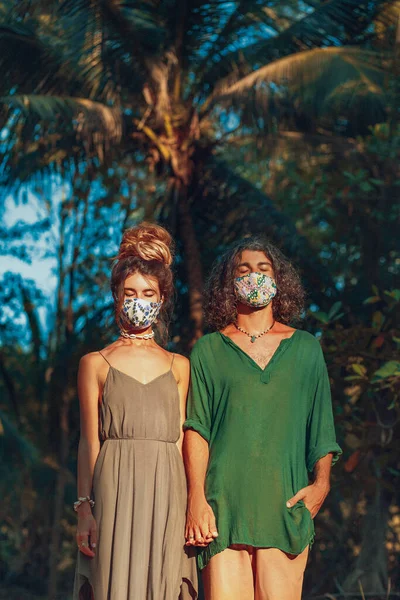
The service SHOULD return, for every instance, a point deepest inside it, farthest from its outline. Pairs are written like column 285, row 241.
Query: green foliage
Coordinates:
column 331, row 316
column 363, row 360
column 221, row 120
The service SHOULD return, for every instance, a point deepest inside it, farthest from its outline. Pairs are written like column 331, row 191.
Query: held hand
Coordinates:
column 200, row 523
column 313, row 497
column 86, row 534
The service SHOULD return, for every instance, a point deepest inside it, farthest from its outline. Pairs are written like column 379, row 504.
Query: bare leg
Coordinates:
column 229, row 575
column 279, row 576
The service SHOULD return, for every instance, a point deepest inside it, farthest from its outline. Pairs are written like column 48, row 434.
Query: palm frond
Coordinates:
column 128, row 18
column 25, row 59
column 88, row 118
column 66, row 55
column 244, row 17
column 315, row 81
column 34, row 59
column 329, row 24
column 119, row 33
column 47, row 135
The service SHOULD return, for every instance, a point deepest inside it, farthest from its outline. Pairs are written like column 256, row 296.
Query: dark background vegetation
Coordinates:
column 217, row 119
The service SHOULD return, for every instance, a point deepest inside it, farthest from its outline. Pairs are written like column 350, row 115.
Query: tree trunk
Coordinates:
column 61, row 281
column 371, row 568
column 62, row 477
column 63, row 387
column 63, row 374
column 37, row 344
column 193, row 266
column 10, row 387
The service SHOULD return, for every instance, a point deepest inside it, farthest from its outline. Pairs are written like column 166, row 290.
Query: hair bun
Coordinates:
column 148, row 241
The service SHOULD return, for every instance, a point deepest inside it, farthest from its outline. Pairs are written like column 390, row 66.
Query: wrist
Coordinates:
column 322, row 484
column 83, row 500
column 196, row 493
column 84, row 510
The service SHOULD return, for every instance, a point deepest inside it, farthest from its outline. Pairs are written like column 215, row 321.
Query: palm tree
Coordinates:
column 176, row 81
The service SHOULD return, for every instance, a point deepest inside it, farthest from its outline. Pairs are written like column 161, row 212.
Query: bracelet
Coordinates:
column 81, row 500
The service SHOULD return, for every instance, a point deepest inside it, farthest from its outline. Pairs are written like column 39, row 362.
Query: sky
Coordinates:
column 40, row 270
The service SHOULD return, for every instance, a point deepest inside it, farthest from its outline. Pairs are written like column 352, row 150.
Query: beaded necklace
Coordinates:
column 253, row 338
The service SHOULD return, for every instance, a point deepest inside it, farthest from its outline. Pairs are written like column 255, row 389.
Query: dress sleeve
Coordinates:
column 199, row 400
column 321, row 437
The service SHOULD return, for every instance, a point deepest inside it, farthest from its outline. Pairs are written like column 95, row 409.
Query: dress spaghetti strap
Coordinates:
column 105, row 358
column 172, row 362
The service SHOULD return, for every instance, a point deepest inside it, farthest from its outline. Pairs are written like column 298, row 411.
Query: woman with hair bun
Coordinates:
column 131, row 483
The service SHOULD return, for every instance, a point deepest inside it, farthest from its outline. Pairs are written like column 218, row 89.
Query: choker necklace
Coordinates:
column 253, row 338
column 134, row 336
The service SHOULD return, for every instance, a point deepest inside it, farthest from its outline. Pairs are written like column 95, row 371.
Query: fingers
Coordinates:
column 198, row 535
column 203, row 531
column 209, row 529
column 212, row 525
column 313, row 510
column 195, row 536
column 87, row 551
column 299, row 496
column 189, row 535
column 93, row 537
column 208, row 539
column 82, row 540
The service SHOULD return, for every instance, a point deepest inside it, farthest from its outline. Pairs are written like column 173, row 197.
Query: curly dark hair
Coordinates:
column 220, row 299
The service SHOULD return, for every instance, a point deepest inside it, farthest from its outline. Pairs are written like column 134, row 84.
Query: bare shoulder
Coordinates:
column 92, row 362
column 228, row 330
column 283, row 329
column 92, row 359
column 181, row 361
column 182, row 366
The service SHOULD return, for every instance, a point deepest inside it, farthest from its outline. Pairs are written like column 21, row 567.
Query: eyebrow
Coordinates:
column 129, row 289
column 259, row 264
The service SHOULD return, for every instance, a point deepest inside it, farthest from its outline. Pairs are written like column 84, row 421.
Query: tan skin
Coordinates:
column 200, row 524
column 143, row 360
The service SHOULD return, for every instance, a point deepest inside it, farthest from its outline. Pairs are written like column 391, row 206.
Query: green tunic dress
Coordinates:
column 266, row 428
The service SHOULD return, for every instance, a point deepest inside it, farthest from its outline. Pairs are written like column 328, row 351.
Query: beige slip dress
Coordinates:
column 139, row 488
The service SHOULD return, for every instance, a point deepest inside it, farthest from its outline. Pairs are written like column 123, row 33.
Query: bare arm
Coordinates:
column 182, row 367
column 314, row 495
column 322, row 472
column 200, row 525
column 195, row 455
column 89, row 447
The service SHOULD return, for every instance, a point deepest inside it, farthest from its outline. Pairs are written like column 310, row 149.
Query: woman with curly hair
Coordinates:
column 259, row 420
column 131, row 502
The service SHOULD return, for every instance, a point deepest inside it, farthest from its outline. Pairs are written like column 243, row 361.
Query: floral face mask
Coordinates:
column 255, row 289
column 141, row 313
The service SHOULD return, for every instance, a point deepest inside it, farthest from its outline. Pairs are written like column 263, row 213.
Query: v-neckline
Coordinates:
column 264, row 372
column 137, row 380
